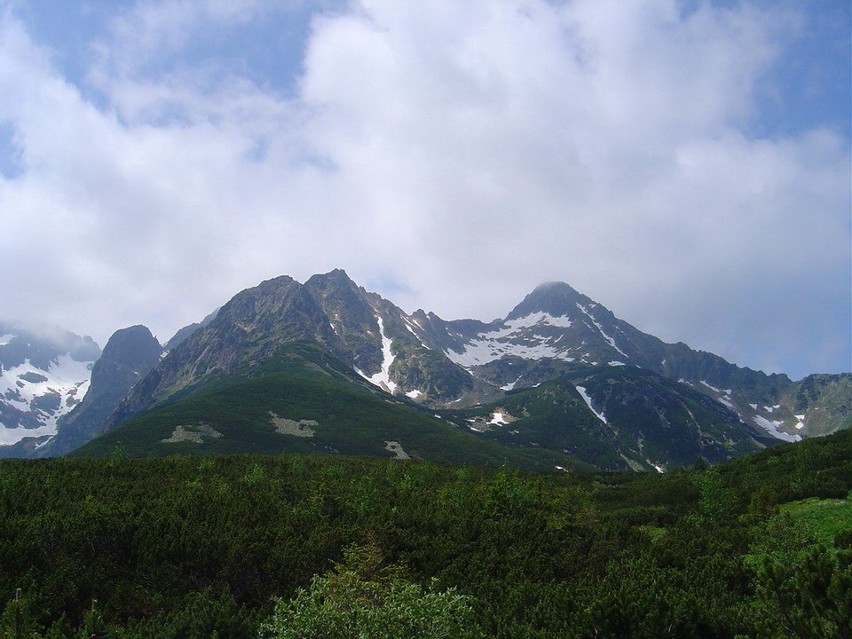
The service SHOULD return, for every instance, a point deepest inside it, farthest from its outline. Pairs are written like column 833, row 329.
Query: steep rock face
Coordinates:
column 821, row 404
column 43, row 375
column 127, row 357
column 353, row 316
column 385, row 345
column 419, row 369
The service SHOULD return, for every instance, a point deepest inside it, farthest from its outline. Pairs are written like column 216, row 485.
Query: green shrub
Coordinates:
column 362, row 598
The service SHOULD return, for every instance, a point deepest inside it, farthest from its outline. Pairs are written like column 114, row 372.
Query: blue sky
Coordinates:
column 686, row 164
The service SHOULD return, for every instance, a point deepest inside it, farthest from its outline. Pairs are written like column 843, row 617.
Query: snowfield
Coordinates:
column 771, row 427
column 514, row 339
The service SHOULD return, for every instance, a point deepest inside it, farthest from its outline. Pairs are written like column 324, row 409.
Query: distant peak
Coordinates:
column 555, row 298
column 132, row 338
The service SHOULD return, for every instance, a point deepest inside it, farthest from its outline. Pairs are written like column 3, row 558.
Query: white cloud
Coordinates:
column 462, row 151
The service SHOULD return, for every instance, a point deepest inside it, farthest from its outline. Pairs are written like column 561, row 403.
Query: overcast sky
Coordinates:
column 684, row 163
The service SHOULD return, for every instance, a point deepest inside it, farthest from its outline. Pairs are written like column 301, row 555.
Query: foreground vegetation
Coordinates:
column 309, row 546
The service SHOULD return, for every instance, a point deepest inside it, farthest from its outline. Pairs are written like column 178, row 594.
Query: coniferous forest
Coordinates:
column 327, row 546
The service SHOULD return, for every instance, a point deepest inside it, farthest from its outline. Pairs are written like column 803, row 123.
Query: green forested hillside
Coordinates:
column 304, row 401
column 220, row 546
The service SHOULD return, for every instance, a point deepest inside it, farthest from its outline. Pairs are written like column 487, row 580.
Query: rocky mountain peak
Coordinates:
column 130, row 353
column 336, row 292
column 554, row 298
column 354, row 315
column 336, row 277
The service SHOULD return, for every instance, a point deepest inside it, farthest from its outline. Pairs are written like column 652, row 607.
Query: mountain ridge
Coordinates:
column 554, row 333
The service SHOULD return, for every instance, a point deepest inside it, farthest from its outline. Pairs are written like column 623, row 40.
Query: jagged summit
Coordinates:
column 338, row 275
column 336, row 284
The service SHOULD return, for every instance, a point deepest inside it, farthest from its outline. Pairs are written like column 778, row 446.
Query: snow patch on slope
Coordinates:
column 771, row 427
column 10, row 436
column 588, row 400
column 712, row 388
column 498, row 419
column 600, row 329
column 410, row 324
column 725, row 395
column 382, row 378
column 513, row 339
column 726, row 400
column 511, row 385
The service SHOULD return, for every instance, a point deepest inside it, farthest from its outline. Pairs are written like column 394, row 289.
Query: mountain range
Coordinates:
column 329, row 367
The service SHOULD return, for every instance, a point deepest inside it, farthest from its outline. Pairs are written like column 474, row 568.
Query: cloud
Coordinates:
column 608, row 147
column 451, row 155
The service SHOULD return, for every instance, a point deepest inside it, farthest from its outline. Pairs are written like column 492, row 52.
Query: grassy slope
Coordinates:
column 552, row 416
column 824, row 518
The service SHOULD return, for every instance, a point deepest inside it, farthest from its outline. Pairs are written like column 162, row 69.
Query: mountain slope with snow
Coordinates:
column 43, row 376
column 556, row 330
column 127, row 357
